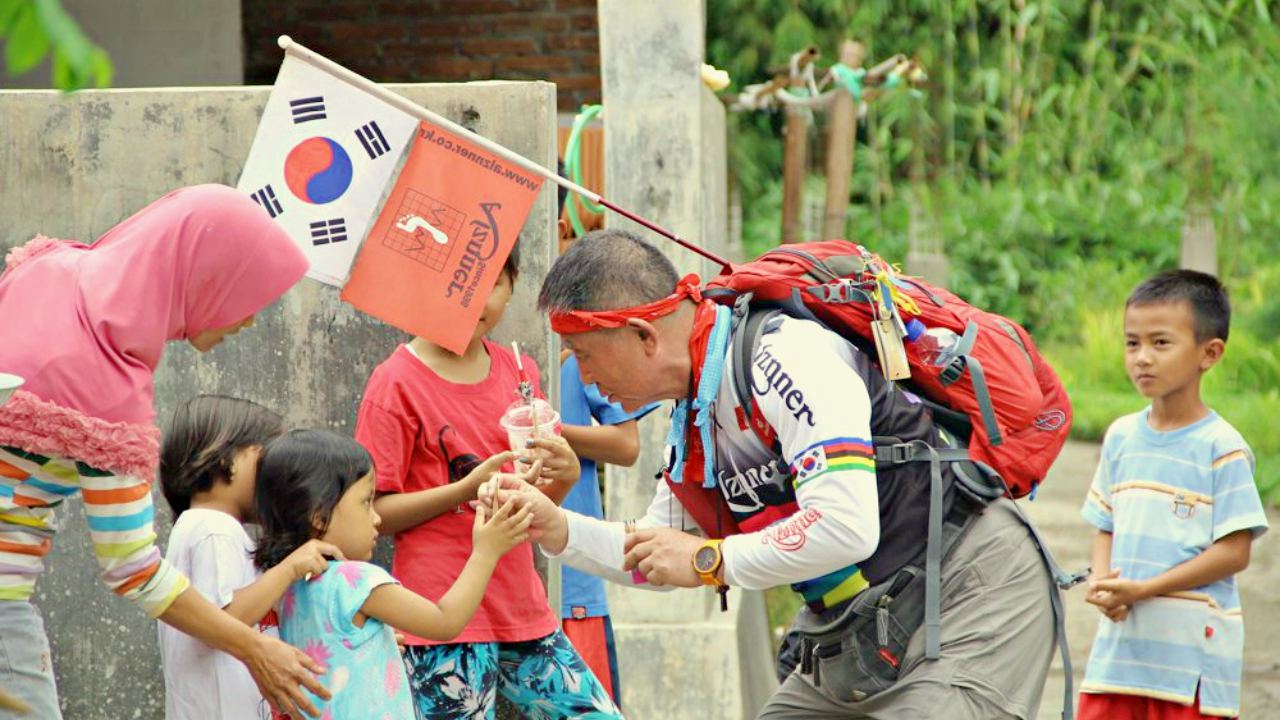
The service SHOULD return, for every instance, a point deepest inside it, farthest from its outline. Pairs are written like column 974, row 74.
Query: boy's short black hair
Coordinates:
column 512, row 266
column 201, row 441
column 1210, row 306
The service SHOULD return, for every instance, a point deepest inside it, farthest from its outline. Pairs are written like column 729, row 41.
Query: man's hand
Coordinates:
column 548, row 527
column 663, row 555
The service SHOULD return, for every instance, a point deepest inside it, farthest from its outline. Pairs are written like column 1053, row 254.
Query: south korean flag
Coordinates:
column 321, row 160
column 811, row 464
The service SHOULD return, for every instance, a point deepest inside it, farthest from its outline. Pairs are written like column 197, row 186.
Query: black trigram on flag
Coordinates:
column 373, row 141
column 307, row 109
column 266, row 197
column 324, row 232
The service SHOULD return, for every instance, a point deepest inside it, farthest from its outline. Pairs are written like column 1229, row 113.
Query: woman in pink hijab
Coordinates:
column 85, row 326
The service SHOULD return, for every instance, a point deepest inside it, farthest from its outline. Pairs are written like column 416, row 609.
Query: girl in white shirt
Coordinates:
column 208, row 468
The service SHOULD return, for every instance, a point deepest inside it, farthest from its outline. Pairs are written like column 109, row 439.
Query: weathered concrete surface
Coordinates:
column 157, row 43
column 72, row 166
column 1056, row 512
column 665, row 160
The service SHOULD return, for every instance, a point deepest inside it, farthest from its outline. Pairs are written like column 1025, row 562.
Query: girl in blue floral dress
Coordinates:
column 317, row 484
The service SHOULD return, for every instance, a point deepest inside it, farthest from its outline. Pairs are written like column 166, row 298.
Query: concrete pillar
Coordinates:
column 1199, row 240
column 665, row 160
column 73, row 165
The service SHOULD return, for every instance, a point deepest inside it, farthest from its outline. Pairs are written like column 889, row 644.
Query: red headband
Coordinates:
column 572, row 322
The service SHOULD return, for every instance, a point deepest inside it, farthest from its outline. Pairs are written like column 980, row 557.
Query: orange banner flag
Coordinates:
column 434, row 254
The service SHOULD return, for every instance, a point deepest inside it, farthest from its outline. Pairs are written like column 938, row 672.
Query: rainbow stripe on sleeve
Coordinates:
column 834, row 455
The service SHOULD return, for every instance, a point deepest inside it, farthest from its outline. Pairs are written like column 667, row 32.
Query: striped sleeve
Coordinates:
column 1097, row 508
column 1236, row 504
column 121, row 514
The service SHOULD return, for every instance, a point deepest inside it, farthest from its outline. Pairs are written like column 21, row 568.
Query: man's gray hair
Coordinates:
column 607, row 270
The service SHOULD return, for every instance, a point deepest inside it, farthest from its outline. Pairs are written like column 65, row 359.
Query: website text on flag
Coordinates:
column 303, row 53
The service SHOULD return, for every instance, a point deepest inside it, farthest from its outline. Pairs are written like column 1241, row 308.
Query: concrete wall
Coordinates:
column 155, row 43
column 72, row 166
column 665, row 160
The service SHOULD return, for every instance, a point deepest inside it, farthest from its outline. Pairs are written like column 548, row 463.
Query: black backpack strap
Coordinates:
column 966, row 362
column 749, row 328
column 919, row 451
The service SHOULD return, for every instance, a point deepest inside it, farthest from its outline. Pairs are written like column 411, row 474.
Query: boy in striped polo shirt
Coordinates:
column 1176, row 510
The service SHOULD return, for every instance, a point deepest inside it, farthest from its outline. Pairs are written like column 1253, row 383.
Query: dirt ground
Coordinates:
column 1056, row 512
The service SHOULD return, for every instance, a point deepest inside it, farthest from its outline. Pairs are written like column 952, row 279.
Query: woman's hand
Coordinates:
column 278, row 669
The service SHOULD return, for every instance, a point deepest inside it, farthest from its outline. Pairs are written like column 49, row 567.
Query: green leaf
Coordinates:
column 8, row 11
column 63, row 76
column 64, row 33
column 27, row 44
column 1264, row 14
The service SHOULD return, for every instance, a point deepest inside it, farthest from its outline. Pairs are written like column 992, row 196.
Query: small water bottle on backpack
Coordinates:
column 937, row 346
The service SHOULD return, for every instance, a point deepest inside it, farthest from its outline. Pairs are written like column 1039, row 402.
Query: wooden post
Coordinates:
column 842, row 133
column 793, row 172
column 794, row 151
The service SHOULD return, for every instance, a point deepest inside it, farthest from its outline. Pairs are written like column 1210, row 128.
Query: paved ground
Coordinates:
column 1056, row 512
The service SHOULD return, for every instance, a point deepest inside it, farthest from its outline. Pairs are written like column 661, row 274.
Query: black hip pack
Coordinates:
column 856, row 650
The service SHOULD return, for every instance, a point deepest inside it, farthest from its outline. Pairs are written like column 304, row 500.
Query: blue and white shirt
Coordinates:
column 1166, row 497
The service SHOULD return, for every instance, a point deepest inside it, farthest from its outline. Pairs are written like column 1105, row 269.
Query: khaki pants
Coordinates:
column 997, row 640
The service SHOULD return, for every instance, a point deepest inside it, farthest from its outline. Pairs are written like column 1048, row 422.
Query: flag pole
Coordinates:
column 402, row 103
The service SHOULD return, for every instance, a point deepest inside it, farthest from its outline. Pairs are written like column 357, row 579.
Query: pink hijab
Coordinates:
column 85, row 325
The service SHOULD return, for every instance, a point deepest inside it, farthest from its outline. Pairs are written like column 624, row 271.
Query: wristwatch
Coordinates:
column 706, row 561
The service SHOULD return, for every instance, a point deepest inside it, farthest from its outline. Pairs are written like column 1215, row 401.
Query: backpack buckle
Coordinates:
column 898, row 454
column 839, row 292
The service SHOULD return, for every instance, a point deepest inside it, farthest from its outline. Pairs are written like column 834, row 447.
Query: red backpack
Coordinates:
column 997, row 385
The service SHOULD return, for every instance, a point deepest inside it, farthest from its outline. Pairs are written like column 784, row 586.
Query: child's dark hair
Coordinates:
column 301, row 477
column 512, row 266
column 202, row 439
column 1210, row 306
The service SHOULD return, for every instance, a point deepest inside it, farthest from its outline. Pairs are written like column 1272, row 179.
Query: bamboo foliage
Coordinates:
column 1052, row 130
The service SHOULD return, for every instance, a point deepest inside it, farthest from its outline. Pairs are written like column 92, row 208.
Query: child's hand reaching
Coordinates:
column 485, row 470
column 494, row 536
column 559, row 461
column 311, row 559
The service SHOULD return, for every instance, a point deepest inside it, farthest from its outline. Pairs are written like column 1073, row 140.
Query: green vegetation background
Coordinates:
column 1057, row 154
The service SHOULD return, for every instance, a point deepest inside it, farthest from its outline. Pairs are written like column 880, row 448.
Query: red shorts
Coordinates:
column 1114, row 706
column 592, row 637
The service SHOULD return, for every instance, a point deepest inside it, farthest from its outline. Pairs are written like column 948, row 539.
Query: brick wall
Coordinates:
column 436, row 40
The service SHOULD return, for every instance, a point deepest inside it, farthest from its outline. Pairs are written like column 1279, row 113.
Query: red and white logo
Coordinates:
column 793, row 534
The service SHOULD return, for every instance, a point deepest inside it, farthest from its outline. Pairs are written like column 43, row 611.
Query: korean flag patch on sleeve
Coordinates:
column 809, row 465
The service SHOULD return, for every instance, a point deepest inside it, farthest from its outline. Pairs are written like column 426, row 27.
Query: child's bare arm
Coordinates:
column 406, row 610
column 1224, row 558
column 1100, row 569
column 402, row 511
column 252, row 602
column 1100, row 555
column 614, row 444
